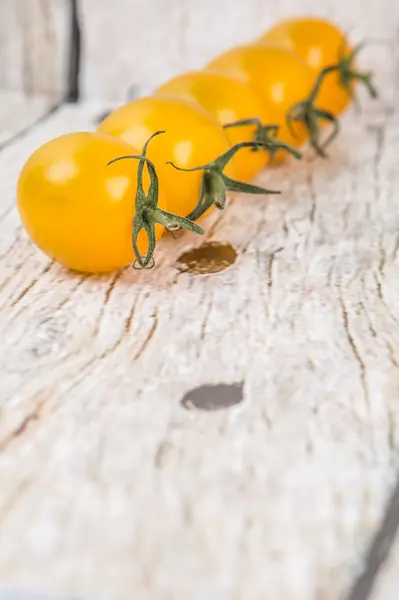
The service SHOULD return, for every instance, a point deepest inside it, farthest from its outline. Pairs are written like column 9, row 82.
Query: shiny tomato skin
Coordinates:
column 277, row 76
column 78, row 210
column 228, row 100
column 192, row 138
column 320, row 43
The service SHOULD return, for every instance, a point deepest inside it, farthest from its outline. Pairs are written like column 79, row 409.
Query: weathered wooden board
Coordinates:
column 137, row 45
column 140, row 44
column 35, row 46
column 110, row 486
column 17, row 113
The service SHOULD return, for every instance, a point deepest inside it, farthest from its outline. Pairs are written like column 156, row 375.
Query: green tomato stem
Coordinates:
column 215, row 184
column 310, row 116
column 266, row 136
column 147, row 213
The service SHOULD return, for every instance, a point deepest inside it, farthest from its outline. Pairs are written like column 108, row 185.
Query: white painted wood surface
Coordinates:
column 110, row 488
column 141, row 44
column 17, row 113
column 136, row 44
column 34, row 46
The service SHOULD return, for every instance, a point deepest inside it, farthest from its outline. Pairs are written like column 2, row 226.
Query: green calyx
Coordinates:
column 310, row 116
column 147, row 212
column 306, row 113
column 215, row 183
column 266, row 137
column 348, row 74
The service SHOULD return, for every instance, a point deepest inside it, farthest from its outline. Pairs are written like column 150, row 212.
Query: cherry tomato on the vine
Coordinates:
column 319, row 43
column 279, row 77
column 78, row 209
column 228, row 100
column 192, row 138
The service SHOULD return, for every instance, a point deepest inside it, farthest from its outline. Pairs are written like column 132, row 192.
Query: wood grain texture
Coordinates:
column 17, row 113
column 137, row 45
column 34, row 46
column 110, row 487
column 141, row 44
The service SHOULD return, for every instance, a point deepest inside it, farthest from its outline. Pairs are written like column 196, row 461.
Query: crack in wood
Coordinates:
column 270, row 266
column 111, row 349
column 269, row 271
column 392, row 354
column 107, row 296
column 313, row 199
column 395, row 249
column 31, row 285
column 148, row 338
column 118, row 342
column 130, row 317
column 383, row 301
column 353, row 346
column 111, row 286
column 29, row 419
column 205, row 322
column 382, row 258
column 369, row 322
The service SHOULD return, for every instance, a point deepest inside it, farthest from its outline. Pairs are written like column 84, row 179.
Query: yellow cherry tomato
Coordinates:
column 192, row 138
column 319, row 43
column 228, row 100
column 77, row 209
column 277, row 76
